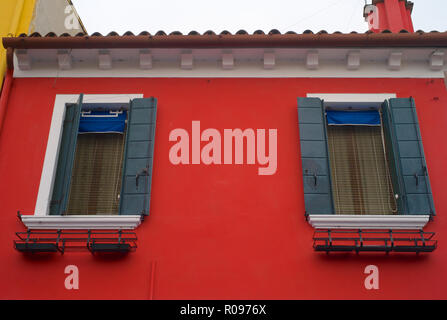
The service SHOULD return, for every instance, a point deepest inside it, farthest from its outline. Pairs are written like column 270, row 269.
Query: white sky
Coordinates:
column 201, row 15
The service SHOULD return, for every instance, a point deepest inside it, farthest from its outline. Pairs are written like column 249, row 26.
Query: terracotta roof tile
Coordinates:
column 274, row 31
column 211, row 32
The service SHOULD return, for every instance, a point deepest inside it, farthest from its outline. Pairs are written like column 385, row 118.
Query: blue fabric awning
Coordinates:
column 353, row 118
column 102, row 122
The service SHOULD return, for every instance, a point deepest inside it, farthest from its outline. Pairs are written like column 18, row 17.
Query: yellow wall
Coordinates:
column 15, row 18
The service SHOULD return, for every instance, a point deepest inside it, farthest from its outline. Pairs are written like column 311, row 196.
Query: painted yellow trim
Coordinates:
column 16, row 20
column 26, row 16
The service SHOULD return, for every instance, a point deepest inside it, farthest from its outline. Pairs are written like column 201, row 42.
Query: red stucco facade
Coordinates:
column 217, row 231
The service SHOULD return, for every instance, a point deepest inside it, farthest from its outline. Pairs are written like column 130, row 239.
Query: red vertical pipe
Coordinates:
column 5, row 95
column 151, row 289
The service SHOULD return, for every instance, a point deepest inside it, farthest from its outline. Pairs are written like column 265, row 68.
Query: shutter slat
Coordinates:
column 61, row 186
column 314, row 157
column 135, row 193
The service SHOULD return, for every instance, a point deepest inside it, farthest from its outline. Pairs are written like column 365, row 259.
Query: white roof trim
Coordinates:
column 332, row 98
column 82, row 222
column 236, row 62
column 333, row 221
column 355, row 100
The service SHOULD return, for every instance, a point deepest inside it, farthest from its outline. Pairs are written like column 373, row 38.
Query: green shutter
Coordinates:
column 61, row 187
column 314, row 157
column 393, row 157
column 406, row 155
column 138, row 157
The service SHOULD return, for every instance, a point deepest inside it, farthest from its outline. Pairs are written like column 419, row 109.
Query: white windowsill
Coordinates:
column 82, row 222
column 332, row 221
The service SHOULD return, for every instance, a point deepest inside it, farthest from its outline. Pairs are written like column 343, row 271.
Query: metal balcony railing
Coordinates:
column 374, row 241
column 95, row 241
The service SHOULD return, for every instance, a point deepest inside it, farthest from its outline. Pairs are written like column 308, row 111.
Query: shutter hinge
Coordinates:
column 144, row 172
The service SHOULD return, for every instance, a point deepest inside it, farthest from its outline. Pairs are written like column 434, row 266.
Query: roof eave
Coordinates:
column 417, row 39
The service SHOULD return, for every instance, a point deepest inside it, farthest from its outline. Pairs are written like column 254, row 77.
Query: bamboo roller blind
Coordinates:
column 361, row 182
column 96, row 176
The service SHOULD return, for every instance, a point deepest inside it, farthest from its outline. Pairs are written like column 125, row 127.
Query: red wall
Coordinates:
column 218, row 231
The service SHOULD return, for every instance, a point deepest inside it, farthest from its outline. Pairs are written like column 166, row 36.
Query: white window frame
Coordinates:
column 341, row 221
column 41, row 218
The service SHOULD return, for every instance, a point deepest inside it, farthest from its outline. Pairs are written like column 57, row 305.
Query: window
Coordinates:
column 363, row 168
column 104, row 165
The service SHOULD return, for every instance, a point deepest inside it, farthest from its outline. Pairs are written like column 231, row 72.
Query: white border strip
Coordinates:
column 240, row 70
column 335, row 221
column 82, row 222
column 248, row 63
column 52, row 151
column 354, row 98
